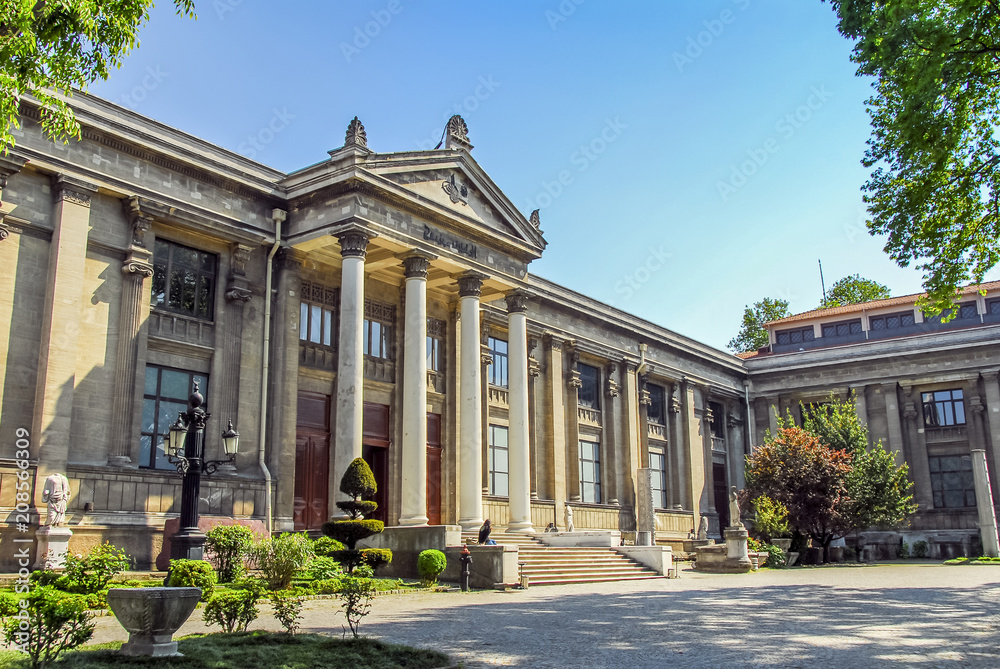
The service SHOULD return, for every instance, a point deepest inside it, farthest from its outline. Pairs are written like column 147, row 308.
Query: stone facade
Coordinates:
column 374, row 305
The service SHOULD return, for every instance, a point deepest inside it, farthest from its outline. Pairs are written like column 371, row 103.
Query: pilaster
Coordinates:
column 632, row 438
column 916, row 453
column 573, row 384
column 991, row 422
column 555, row 426
column 237, row 295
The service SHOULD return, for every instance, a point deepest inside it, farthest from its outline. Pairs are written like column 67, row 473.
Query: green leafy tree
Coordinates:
column 358, row 483
column 935, row 187
column 854, row 289
column 753, row 334
column 48, row 48
column 229, row 546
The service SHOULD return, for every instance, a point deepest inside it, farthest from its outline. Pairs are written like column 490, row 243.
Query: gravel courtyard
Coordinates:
column 892, row 615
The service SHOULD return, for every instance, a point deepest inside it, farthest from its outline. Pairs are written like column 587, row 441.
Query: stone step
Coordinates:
column 589, row 579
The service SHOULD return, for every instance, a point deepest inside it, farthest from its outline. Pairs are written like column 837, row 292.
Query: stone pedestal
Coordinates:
column 729, row 559
column 736, row 544
column 53, row 546
column 645, row 510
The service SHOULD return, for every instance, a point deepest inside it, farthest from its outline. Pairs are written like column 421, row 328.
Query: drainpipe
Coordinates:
column 746, row 396
column 278, row 216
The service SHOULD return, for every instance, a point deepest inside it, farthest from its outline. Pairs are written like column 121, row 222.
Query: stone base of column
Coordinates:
column 416, row 521
column 470, row 524
column 120, row 461
column 524, row 527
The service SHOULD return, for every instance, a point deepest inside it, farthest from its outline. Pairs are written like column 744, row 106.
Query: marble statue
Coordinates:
column 734, row 509
column 56, row 494
column 569, row 518
column 703, row 529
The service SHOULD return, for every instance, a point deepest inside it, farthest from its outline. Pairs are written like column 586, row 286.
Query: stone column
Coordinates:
column 992, row 419
column 916, row 454
column 975, row 418
column 56, row 382
column 984, row 504
column 237, row 296
column 694, row 443
column 519, row 465
column 675, row 443
column 470, row 286
column 892, row 418
column 860, row 403
column 555, row 428
column 350, row 364
column 613, row 435
column 134, row 307
column 533, row 371
column 573, row 433
column 414, row 464
column 632, row 442
column 773, row 409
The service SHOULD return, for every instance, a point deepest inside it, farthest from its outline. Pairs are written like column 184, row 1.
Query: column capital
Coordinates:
column 517, row 300
column 354, row 239
column 237, row 294
column 470, row 284
column 240, row 256
column 71, row 189
column 136, row 267
column 990, row 375
column 416, row 264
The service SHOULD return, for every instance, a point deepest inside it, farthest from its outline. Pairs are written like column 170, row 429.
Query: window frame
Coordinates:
column 594, row 467
column 852, row 327
column 806, row 334
column 379, row 324
column 659, row 472
column 435, row 345
column 586, row 379
column 313, row 297
column 499, row 372
column 938, row 479
column 491, row 454
column 660, row 404
column 952, row 402
column 900, row 316
column 155, row 461
column 163, row 270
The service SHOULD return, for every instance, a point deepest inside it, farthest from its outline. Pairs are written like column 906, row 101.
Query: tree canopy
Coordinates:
column 854, row 289
column 753, row 334
column 48, row 48
column 934, row 148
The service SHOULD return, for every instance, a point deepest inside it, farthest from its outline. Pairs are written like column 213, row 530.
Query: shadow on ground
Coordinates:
column 778, row 625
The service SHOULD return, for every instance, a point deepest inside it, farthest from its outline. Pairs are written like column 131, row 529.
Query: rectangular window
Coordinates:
column 951, row 481
column 377, row 331
column 498, row 465
column 183, row 279
column 658, row 463
column 903, row 319
column 589, row 395
column 842, row 328
column 796, row 336
column 590, row 472
column 993, row 307
column 718, row 425
column 943, row 408
column 435, row 345
column 164, row 396
column 498, row 369
column 656, row 412
column 966, row 311
column 316, row 315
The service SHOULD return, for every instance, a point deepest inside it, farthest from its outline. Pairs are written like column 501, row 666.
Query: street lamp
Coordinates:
column 185, row 449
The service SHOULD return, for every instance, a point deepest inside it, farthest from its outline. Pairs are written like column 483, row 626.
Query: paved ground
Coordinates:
column 919, row 615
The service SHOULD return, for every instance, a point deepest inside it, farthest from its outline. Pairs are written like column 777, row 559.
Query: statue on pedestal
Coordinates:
column 56, row 494
column 734, row 509
column 703, row 529
column 569, row 518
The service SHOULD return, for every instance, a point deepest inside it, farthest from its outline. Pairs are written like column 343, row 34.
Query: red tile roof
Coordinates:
column 874, row 304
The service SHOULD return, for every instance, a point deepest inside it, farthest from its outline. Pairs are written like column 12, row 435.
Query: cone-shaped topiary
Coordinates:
column 357, row 483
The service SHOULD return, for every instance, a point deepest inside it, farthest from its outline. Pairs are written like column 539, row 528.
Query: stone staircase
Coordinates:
column 550, row 565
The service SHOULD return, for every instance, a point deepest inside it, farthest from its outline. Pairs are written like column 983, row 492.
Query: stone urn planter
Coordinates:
column 151, row 616
column 784, row 544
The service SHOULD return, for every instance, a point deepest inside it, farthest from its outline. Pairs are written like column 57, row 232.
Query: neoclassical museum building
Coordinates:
column 380, row 305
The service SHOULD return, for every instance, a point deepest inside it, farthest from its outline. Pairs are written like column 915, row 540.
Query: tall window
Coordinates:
column 316, row 315
column 951, row 481
column 656, row 412
column 183, row 279
column 165, row 395
column 658, row 463
column 498, row 369
column 435, row 345
column 590, row 471
column 379, row 320
column 499, row 469
column 717, row 426
column 589, row 395
column 943, row 408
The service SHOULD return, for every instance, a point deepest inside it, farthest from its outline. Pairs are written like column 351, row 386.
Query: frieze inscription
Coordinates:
column 449, row 242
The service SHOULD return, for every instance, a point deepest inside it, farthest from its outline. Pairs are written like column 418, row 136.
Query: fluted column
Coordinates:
column 350, row 365
column 520, row 467
column 984, row 504
column 414, row 455
column 470, row 287
column 133, row 308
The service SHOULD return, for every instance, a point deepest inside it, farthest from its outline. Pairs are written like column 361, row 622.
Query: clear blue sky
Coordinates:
column 661, row 214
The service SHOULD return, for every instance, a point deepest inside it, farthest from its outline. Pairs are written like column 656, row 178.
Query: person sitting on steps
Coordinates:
column 484, row 534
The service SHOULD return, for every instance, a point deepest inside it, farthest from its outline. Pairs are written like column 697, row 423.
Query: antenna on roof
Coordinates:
column 821, row 281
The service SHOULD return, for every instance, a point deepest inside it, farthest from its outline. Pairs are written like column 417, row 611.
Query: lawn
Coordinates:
column 252, row 650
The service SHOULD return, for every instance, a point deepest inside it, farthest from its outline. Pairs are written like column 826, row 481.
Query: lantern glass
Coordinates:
column 231, row 440
column 176, row 437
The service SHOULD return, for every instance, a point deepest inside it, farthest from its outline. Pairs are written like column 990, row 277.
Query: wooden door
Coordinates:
column 312, row 461
column 375, row 451
column 433, row 469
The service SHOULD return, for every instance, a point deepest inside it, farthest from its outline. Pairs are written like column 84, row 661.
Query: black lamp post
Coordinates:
column 185, row 448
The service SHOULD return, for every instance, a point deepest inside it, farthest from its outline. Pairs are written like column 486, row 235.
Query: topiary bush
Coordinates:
column 376, row 557
column 358, row 483
column 91, row 573
column 230, row 546
column 326, row 546
column 430, row 564
column 193, row 574
column 280, row 557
